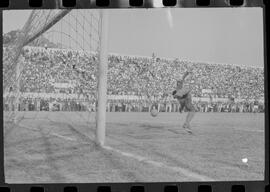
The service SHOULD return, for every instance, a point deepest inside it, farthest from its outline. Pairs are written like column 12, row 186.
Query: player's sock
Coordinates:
column 187, row 127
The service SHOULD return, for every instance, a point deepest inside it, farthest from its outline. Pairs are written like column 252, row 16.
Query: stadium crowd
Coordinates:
column 114, row 105
column 152, row 77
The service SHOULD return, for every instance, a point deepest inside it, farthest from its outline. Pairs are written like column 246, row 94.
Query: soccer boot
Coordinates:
column 187, row 127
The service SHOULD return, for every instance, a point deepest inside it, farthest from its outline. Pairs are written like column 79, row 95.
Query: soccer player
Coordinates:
column 183, row 95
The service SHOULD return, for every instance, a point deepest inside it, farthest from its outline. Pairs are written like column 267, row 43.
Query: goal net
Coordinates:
column 52, row 65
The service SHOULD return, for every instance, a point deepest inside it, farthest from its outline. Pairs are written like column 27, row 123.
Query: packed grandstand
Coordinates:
column 63, row 79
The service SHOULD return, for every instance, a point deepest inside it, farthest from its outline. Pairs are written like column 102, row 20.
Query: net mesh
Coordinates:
column 54, row 56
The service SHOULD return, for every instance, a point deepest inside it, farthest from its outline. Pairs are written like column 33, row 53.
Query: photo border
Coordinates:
column 257, row 186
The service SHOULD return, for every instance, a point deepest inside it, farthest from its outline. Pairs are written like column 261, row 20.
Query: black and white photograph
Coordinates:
column 133, row 95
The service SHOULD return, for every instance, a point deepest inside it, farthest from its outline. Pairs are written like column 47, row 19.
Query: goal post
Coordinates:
column 102, row 79
column 82, row 37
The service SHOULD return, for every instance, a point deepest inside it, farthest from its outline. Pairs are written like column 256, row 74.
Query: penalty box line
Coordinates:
column 142, row 159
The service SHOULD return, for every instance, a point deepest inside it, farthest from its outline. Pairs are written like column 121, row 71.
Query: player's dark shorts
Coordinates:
column 186, row 102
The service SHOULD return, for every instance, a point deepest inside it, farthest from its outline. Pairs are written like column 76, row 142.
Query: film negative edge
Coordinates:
column 87, row 4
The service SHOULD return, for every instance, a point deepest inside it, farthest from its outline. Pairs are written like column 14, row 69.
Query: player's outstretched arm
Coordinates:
column 185, row 75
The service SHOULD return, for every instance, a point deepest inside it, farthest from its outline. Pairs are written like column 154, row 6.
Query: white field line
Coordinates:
column 183, row 171
column 30, row 128
column 239, row 129
column 54, row 134
column 63, row 137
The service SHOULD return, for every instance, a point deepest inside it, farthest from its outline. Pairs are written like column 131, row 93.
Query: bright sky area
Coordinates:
column 223, row 35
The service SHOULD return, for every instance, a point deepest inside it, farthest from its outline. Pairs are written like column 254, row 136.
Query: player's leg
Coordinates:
column 191, row 113
column 182, row 105
column 189, row 117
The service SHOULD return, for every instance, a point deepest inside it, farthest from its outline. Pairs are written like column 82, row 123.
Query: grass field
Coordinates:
column 59, row 147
